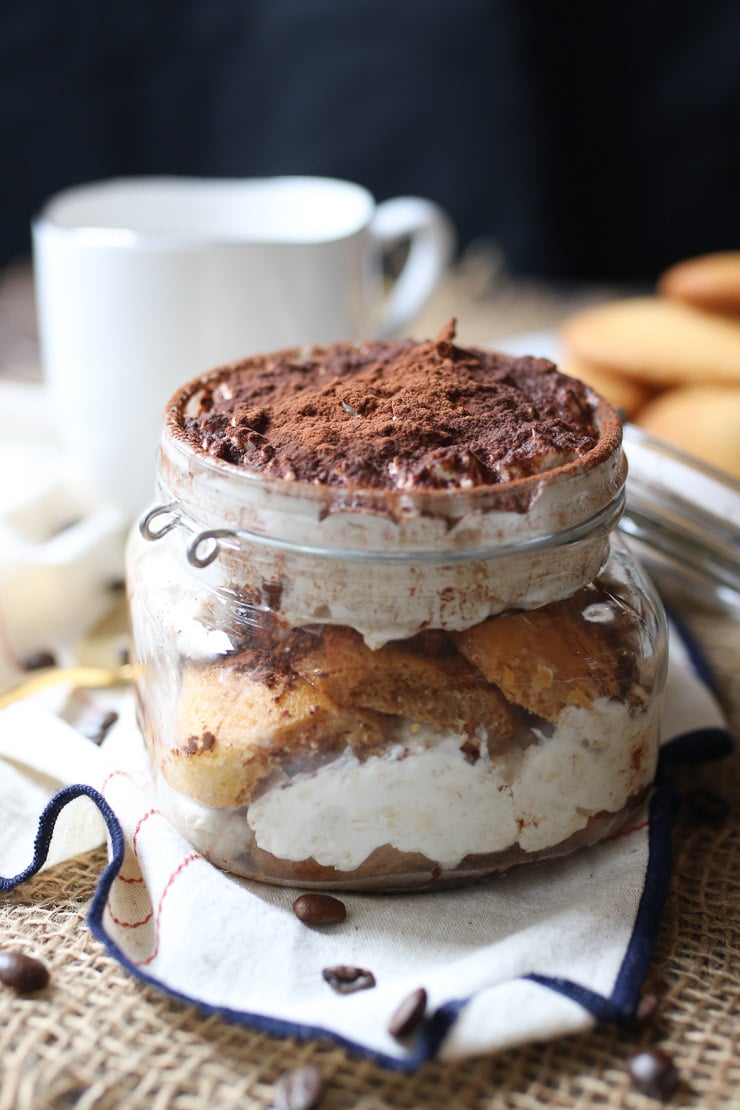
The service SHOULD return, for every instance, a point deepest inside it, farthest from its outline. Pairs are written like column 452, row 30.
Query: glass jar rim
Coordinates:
column 205, row 545
column 216, row 494
column 683, row 518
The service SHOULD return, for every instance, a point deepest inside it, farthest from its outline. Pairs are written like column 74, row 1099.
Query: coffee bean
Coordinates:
column 705, row 805
column 21, row 972
column 38, row 660
column 653, row 1072
column 646, row 1008
column 346, row 980
column 409, row 1014
column 319, row 909
column 299, row 1089
column 95, row 728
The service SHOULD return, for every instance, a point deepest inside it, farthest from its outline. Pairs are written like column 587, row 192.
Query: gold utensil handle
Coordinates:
column 84, row 677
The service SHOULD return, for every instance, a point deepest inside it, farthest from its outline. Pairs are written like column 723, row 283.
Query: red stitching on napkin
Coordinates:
column 140, row 822
column 124, row 878
column 181, row 867
column 112, row 775
column 129, row 924
column 637, row 828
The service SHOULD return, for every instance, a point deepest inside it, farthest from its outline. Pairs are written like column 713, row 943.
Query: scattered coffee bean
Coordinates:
column 37, row 660
column 653, row 1072
column 409, row 1014
column 23, row 973
column 97, row 725
column 346, row 980
column 705, row 805
column 299, row 1089
column 646, row 1008
column 319, row 909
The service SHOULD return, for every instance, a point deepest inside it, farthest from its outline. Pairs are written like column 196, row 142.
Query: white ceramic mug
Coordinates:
column 142, row 283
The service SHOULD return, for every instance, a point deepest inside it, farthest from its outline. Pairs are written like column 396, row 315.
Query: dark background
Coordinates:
column 587, row 140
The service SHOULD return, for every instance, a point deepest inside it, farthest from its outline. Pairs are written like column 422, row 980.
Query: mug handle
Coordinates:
column 431, row 247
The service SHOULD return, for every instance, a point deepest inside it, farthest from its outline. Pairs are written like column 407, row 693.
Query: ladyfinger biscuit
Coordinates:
column 546, row 659
column 703, row 420
column 709, row 281
column 624, row 393
column 233, row 731
column 440, row 690
column 656, row 341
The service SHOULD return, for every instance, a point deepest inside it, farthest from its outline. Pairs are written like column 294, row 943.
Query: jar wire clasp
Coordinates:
column 146, row 526
column 204, row 547
column 197, row 557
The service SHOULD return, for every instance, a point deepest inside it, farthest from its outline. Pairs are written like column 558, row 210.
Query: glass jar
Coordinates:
column 393, row 689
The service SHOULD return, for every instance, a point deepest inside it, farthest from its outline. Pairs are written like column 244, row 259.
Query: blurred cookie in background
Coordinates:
column 703, row 420
column 670, row 361
column 654, row 341
column 710, row 282
column 626, row 394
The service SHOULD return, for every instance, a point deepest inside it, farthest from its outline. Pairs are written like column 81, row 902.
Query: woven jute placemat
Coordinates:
column 96, row 1037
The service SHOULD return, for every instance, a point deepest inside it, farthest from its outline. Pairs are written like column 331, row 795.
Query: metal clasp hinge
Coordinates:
column 211, row 536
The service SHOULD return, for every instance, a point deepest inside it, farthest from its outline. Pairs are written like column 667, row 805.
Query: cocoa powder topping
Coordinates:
column 393, row 414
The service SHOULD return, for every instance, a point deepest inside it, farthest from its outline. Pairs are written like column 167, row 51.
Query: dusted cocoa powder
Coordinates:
column 392, row 415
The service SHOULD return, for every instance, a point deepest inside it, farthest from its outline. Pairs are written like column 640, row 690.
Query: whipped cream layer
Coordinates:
column 427, row 796
column 383, row 600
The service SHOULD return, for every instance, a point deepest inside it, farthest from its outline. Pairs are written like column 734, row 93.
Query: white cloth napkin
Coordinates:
column 545, row 950
column 61, row 541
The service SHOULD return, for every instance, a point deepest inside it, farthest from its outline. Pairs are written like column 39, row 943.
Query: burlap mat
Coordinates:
column 98, row 1038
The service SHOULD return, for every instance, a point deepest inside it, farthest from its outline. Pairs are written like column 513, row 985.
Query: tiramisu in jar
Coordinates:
column 386, row 637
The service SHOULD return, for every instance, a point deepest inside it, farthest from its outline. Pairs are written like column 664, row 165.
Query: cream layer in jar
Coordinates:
column 389, row 644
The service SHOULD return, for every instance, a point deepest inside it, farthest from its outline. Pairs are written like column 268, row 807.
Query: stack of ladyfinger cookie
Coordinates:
column 670, row 361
